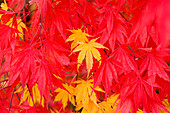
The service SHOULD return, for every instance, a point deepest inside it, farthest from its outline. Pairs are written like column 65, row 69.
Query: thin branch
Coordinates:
column 105, row 52
column 131, row 49
column 18, row 97
column 11, row 99
column 84, row 21
column 123, row 16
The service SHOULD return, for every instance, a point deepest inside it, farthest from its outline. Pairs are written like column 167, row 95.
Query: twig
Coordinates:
column 84, row 21
column 11, row 99
column 18, row 97
column 106, row 53
column 123, row 16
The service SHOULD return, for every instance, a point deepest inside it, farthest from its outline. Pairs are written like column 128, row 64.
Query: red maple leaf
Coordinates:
column 122, row 56
column 112, row 27
column 7, row 39
column 154, row 64
column 23, row 64
column 54, row 52
column 107, row 72
column 137, row 93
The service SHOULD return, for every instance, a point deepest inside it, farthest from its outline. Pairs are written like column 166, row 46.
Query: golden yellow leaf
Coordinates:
column 64, row 95
column 76, row 37
column 85, row 98
column 88, row 50
column 91, row 108
column 4, row 6
column 110, row 105
column 35, row 95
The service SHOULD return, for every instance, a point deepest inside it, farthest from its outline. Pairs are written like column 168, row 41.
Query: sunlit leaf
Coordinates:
column 32, row 96
column 64, row 95
column 88, row 50
column 76, row 37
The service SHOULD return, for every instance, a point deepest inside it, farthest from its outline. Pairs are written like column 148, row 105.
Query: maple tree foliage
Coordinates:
column 85, row 56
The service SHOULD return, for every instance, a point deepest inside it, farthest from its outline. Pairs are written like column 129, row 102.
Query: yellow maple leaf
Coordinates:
column 64, row 95
column 88, row 50
column 76, row 37
column 35, row 95
column 4, row 6
column 110, row 105
column 92, row 108
column 85, row 98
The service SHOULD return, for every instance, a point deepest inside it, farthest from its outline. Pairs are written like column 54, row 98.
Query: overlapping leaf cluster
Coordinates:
column 87, row 56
